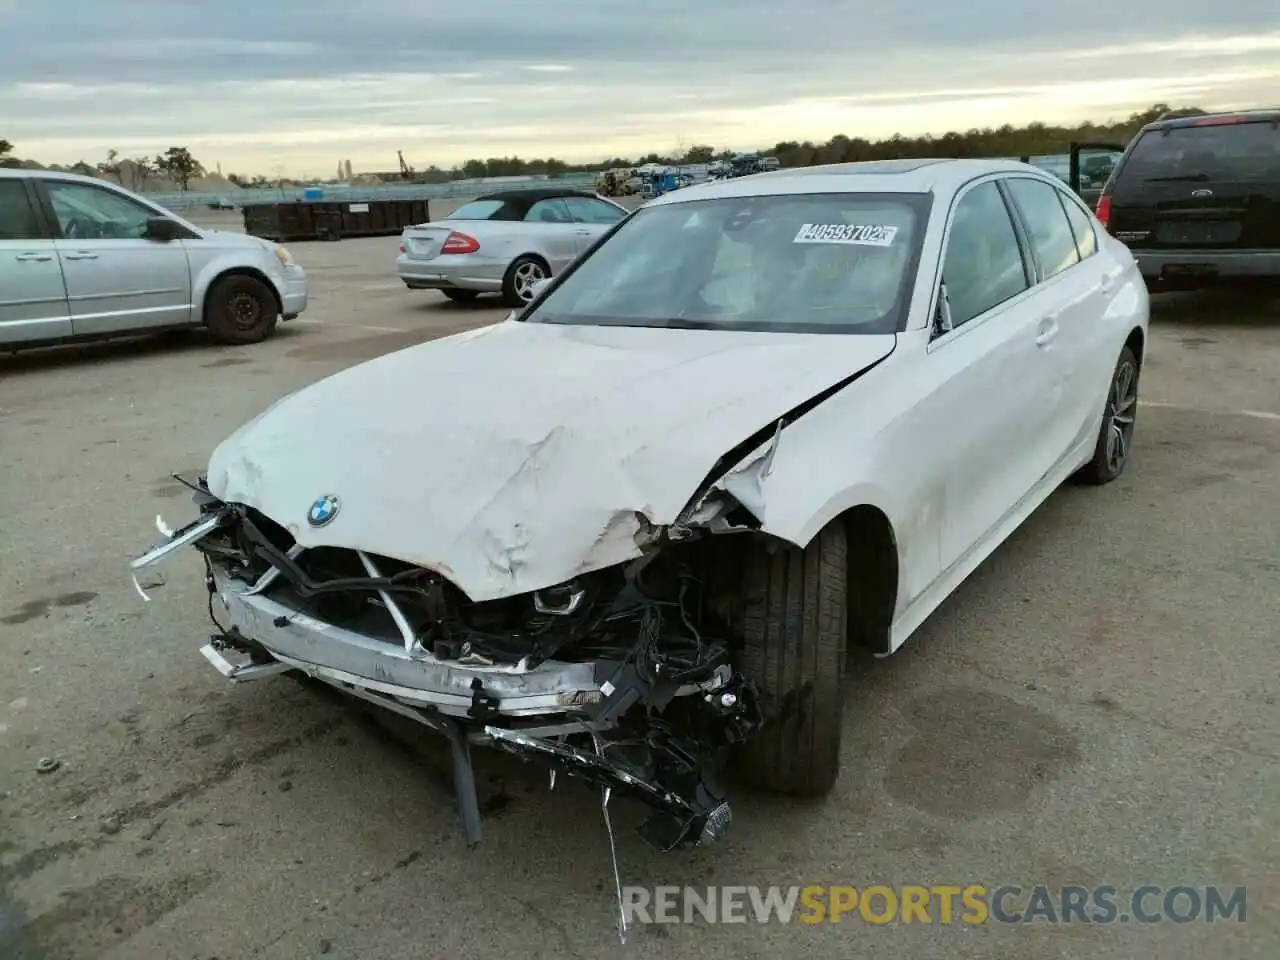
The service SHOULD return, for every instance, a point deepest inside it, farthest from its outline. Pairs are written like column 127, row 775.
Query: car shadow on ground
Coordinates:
column 134, row 347
column 1244, row 307
column 438, row 303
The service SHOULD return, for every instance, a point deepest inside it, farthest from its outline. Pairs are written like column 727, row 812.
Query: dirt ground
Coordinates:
column 1097, row 705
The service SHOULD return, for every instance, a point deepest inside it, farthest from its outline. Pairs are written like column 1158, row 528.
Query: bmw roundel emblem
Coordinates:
column 323, row 510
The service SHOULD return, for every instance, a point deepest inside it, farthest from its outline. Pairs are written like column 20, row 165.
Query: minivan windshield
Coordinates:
column 829, row 263
column 1214, row 152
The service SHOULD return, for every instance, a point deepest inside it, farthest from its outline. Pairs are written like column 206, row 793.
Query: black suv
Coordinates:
column 1197, row 199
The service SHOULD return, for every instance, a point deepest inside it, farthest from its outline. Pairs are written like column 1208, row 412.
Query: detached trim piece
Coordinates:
column 182, row 538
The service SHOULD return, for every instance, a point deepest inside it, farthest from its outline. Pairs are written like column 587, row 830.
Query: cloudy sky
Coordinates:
column 295, row 86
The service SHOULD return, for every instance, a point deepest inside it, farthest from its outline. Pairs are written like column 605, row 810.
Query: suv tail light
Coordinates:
column 1103, row 213
column 460, row 243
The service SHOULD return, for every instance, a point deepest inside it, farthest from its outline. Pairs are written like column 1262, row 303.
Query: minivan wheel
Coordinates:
column 241, row 309
column 517, row 284
column 793, row 628
column 1115, row 438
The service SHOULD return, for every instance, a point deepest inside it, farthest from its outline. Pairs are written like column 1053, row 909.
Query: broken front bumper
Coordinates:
column 535, row 710
column 328, row 652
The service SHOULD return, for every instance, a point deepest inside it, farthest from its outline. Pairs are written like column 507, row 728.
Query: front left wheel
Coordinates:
column 241, row 309
column 1115, row 438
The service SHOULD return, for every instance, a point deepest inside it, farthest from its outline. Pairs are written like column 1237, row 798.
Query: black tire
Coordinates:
column 794, row 625
column 1115, row 438
column 461, row 296
column 523, row 270
column 241, row 309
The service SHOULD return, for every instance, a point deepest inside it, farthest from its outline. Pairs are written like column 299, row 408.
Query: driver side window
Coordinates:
column 982, row 266
column 86, row 212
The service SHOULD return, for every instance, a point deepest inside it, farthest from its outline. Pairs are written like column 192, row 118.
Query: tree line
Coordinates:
column 1034, row 139
column 177, row 164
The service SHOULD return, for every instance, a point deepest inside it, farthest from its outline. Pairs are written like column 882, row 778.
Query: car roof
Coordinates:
column 529, row 197
column 10, row 172
column 926, row 175
column 1261, row 115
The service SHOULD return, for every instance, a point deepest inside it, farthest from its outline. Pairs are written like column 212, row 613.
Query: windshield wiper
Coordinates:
column 683, row 323
column 1197, row 177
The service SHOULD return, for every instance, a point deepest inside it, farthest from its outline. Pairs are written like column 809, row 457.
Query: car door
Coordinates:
column 552, row 232
column 991, row 375
column 1080, row 288
column 117, row 279
column 33, row 298
column 593, row 218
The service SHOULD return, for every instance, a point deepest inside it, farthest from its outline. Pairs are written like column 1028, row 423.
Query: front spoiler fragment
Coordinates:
column 699, row 816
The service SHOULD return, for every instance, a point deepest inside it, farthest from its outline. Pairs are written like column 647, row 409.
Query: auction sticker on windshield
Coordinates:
column 860, row 234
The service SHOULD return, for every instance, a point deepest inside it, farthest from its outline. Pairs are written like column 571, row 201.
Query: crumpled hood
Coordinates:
column 517, row 456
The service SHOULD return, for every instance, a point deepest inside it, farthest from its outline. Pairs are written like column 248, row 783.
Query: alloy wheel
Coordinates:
column 1122, row 410
column 526, row 275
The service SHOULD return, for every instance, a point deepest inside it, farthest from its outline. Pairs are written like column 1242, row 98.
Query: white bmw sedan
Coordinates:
column 634, row 529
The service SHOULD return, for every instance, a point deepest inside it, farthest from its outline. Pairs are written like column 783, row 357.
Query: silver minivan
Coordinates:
column 81, row 258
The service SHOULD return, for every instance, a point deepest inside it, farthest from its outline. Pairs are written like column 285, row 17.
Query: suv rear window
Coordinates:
column 1216, row 152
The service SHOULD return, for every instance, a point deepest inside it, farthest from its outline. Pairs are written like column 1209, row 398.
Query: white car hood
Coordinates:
column 519, row 455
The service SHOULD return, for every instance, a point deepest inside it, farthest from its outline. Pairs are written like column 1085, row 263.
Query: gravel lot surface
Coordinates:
column 1097, row 705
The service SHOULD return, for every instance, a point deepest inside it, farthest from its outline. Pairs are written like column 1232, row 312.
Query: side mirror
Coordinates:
column 161, row 229
column 942, row 322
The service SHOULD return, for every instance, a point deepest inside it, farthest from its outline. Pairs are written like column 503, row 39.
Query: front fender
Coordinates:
column 859, row 447
column 207, row 267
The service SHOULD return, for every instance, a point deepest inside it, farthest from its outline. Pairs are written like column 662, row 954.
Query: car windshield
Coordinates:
column 476, row 210
column 830, row 263
column 1217, row 152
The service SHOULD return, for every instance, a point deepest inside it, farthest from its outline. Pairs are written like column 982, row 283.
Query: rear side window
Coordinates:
column 553, row 210
column 1081, row 227
column 476, row 210
column 590, row 210
column 18, row 220
column 1051, row 235
column 1216, row 152
column 982, row 267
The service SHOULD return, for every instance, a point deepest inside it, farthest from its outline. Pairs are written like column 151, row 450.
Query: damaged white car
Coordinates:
column 633, row 530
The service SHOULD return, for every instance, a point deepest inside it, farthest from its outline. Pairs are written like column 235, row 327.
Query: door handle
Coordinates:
column 80, row 255
column 584, row 233
column 33, row 257
column 1048, row 330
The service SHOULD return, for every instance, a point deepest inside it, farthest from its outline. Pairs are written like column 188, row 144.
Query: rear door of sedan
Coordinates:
column 1079, row 283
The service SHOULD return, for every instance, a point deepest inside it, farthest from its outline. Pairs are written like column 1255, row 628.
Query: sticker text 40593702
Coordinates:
column 859, row 234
